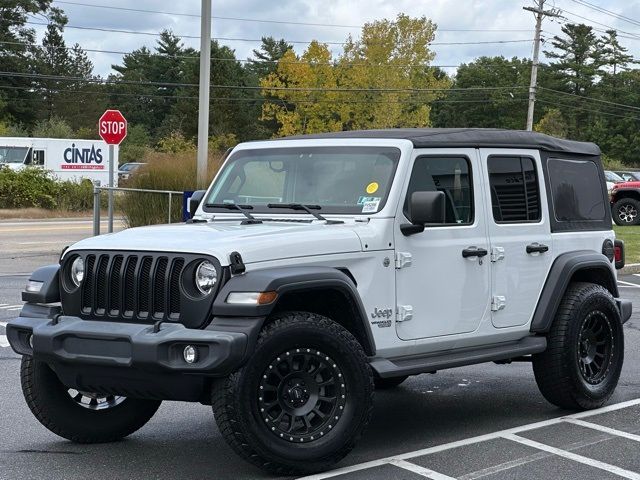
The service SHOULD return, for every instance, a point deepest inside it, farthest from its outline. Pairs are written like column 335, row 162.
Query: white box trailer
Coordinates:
column 67, row 159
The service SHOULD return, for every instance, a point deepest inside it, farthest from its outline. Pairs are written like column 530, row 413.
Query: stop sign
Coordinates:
column 112, row 127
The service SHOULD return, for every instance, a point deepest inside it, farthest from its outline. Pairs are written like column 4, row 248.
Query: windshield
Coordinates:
column 613, row 177
column 13, row 154
column 337, row 179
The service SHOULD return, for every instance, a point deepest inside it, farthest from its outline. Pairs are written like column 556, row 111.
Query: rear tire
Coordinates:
column 388, row 383
column 87, row 418
column 581, row 366
column 302, row 400
column 626, row 211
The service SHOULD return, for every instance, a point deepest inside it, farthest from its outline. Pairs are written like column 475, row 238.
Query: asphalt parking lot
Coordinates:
column 486, row 421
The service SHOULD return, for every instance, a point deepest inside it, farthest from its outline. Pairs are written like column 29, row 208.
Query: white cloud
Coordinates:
column 448, row 14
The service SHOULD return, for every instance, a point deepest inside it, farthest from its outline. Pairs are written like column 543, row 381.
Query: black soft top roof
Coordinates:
column 468, row 137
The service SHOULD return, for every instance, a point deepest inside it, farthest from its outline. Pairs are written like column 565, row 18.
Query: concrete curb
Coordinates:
column 630, row 269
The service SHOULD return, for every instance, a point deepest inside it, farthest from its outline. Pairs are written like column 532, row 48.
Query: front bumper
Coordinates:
column 131, row 359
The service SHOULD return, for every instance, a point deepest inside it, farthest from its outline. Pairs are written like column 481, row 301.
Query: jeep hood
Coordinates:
column 256, row 243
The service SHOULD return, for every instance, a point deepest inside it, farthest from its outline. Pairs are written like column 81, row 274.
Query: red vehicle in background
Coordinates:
column 625, row 203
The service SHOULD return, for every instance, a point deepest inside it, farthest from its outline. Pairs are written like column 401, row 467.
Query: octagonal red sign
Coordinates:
column 112, row 127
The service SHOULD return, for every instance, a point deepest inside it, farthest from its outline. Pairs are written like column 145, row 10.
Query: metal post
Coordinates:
column 96, row 209
column 110, row 224
column 169, row 207
column 203, row 95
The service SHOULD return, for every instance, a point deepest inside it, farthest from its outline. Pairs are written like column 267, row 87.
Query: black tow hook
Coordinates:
column 156, row 326
column 56, row 319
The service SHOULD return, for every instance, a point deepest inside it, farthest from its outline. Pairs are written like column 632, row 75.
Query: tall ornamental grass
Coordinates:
column 163, row 171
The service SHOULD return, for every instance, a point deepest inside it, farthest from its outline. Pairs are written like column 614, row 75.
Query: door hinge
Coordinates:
column 498, row 302
column 404, row 313
column 497, row 253
column 403, row 259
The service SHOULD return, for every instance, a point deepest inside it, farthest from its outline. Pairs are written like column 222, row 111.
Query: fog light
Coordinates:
column 190, row 354
column 30, row 341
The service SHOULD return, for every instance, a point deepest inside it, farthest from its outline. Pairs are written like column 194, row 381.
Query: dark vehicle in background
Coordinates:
column 625, row 203
column 127, row 169
column 628, row 175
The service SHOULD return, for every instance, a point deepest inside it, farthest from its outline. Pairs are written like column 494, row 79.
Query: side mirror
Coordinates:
column 424, row 208
column 195, row 200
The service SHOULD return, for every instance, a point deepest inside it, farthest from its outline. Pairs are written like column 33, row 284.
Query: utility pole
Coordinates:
column 203, row 94
column 540, row 13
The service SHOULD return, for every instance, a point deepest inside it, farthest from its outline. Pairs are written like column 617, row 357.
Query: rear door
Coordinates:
column 519, row 233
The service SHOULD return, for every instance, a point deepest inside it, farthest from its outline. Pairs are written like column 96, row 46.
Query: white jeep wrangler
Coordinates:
column 317, row 267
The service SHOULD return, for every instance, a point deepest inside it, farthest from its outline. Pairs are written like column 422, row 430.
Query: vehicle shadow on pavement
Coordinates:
column 182, row 441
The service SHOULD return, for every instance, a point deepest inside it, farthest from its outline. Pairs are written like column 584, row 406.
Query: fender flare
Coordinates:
column 49, row 276
column 285, row 280
column 563, row 269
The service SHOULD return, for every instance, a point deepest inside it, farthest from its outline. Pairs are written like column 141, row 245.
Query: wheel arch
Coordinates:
column 581, row 265
column 325, row 291
column 622, row 193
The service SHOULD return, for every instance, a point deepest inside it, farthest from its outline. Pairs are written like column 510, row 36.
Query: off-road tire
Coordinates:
column 628, row 205
column 54, row 408
column 388, row 383
column 236, row 399
column 558, row 369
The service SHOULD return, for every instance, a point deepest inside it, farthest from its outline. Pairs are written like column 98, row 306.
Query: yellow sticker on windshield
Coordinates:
column 372, row 187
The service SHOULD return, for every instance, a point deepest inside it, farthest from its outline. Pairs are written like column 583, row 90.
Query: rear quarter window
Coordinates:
column 576, row 189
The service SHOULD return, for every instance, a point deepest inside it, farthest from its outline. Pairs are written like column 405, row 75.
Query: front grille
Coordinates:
column 137, row 287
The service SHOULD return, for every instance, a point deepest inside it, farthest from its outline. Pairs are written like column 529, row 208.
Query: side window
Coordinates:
column 451, row 175
column 577, row 190
column 515, row 194
column 38, row 157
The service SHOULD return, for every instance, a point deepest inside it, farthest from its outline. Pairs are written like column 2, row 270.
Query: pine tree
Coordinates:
column 613, row 54
column 578, row 58
column 17, row 102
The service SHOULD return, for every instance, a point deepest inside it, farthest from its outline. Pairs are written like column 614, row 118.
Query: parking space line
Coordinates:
column 628, row 284
column 602, row 428
column 3, row 324
column 3, row 341
column 471, row 441
column 574, row 457
column 425, row 472
column 9, row 307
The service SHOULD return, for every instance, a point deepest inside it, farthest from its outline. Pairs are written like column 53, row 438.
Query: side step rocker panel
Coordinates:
column 394, row 367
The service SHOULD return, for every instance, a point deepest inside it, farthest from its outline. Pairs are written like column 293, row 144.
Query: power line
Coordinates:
column 556, row 104
column 251, row 87
column 625, row 34
column 596, row 100
column 252, row 61
column 607, row 12
column 257, row 20
column 231, row 39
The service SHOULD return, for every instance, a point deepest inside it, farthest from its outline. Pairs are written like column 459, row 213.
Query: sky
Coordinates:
column 457, row 21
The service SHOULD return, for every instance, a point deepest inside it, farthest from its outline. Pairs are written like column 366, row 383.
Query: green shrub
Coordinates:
column 163, row 171
column 34, row 187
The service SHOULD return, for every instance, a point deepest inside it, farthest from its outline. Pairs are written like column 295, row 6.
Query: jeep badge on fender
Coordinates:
column 318, row 268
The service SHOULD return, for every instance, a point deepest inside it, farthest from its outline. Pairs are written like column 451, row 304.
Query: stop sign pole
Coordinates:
column 112, row 128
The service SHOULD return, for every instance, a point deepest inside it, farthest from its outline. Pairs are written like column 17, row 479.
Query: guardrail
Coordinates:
column 97, row 189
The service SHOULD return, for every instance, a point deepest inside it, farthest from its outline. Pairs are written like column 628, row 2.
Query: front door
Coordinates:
column 519, row 233
column 444, row 292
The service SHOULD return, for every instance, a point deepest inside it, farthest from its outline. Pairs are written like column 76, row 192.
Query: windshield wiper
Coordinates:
column 241, row 208
column 307, row 208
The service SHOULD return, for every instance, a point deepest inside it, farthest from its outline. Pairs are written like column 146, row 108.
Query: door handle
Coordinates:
column 474, row 252
column 536, row 247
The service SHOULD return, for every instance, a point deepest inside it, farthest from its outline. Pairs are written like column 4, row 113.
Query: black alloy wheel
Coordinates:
column 302, row 395
column 596, row 345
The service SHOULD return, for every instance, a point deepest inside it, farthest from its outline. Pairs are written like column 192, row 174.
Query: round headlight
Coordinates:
column 206, row 277
column 77, row 271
